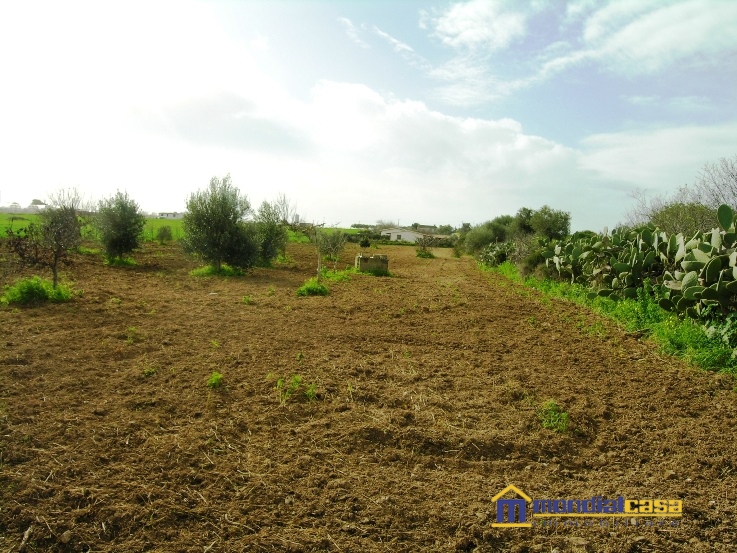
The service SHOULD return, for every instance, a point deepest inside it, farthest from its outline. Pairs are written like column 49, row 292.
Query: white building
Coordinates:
column 171, row 215
column 396, row 234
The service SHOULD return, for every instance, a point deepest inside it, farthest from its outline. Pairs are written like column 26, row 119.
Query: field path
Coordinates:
column 428, row 388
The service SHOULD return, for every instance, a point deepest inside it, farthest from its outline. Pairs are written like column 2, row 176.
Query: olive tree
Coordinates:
column 119, row 223
column 215, row 226
column 48, row 242
column 271, row 229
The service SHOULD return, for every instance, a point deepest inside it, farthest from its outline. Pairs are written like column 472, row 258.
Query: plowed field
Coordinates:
column 428, row 387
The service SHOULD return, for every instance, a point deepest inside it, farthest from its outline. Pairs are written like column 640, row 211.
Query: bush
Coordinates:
column 35, row 290
column 425, row 254
column 119, row 223
column 163, row 234
column 272, row 234
column 215, row 228
column 312, row 288
column 47, row 244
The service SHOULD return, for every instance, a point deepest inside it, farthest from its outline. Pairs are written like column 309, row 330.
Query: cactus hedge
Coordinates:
column 692, row 276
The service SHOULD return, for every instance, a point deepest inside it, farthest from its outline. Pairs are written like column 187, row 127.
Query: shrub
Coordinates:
column 312, row 288
column 35, row 290
column 272, row 233
column 119, row 223
column 47, row 244
column 163, row 234
column 215, row 228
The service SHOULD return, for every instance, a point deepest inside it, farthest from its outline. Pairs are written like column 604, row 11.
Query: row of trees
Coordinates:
column 220, row 227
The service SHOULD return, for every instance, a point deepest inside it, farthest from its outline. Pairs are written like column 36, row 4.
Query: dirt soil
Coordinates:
column 428, row 386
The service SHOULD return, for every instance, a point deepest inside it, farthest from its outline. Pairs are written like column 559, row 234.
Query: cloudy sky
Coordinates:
column 415, row 111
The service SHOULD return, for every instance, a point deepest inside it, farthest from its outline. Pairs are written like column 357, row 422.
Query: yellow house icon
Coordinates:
column 516, row 509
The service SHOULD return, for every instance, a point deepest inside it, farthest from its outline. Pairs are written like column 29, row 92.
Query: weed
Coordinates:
column 35, row 290
column 132, row 335
column 531, row 320
column 215, row 380
column 209, row 270
column 553, row 417
column 312, row 288
column 311, row 392
column 286, row 389
column 425, row 254
column 121, row 262
column 115, row 301
column 149, row 371
column 214, row 344
column 248, row 300
column 300, row 356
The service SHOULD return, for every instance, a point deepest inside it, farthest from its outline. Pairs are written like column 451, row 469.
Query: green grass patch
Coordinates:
column 152, row 226
column 121, row 262
column 312, row 288
column 210, row 270
column 710, row 346
column 16, row 221
column 338, row 276
column 35, row 290
column 425, row 254
column 298, row 237
column 89, row 251
column 553, row 417
column 215, row 380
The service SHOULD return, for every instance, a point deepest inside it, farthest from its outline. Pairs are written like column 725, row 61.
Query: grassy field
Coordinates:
column 15, row 221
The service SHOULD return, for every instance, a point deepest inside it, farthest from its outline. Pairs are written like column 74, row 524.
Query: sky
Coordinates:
column 433, row 112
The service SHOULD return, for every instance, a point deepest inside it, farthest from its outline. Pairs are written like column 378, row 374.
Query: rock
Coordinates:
column 669, row 474
column 66, row 537
column 575, row 540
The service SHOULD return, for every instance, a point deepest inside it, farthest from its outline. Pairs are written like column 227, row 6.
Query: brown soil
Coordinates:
column 428, row 383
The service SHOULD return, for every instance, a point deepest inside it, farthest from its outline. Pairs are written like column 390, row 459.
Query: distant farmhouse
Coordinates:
column 171, row 215
column 395, row 234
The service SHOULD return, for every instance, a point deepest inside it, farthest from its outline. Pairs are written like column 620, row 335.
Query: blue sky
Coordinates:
column 414, row 111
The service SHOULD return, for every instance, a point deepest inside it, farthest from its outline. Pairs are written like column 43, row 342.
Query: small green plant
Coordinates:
column 132, row 335
column 311, row 392
column 425, row 254
column 149, row 371
column 312, row 288
column 215, row 380
column 248, row 300
column 300, row 356
column 531, row 320
column 553, row 417
column 214, row 344
column 285, row 389
column 271, row 291
column 35, row 290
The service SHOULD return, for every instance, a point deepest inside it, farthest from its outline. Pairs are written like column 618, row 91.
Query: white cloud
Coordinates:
column 659, row 159
column 353, row 32
column 664, row 36
column 478, row 24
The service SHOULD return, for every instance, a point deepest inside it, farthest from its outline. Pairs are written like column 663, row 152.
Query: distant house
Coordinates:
column 171, row 215
column 396, row 234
